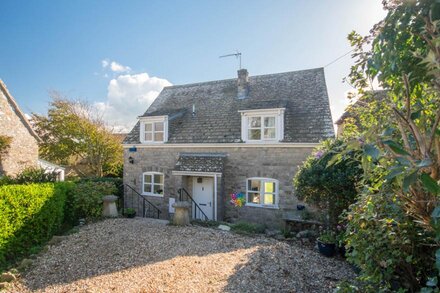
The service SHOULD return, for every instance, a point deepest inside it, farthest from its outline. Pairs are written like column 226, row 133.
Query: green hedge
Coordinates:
column 30, row 215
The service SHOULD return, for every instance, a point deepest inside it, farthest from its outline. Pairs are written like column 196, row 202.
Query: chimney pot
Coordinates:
column 242, row 83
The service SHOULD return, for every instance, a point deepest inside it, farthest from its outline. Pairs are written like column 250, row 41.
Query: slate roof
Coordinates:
column 200, row 162
column 303, row 94
column 350, row 110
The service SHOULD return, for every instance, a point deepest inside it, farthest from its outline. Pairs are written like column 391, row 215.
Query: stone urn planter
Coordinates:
column 181, row 214
column 110, row 209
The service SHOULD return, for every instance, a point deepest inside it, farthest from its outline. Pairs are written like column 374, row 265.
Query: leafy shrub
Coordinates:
column 30, row 215
column 30, row 175
column 248, row 228
column 329, row 187
column 386, row 244
column 35, row 175
column 328, row 237
column 86, row 198
column 5, row 180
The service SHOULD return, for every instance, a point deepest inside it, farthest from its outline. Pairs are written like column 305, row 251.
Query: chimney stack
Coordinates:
column 242, row 83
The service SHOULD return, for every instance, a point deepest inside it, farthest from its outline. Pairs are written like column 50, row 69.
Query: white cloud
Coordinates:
column 114, row 66
column 129, row 96
column 105, row 63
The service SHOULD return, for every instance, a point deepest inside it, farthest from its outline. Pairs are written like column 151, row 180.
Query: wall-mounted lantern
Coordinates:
column 130, row 160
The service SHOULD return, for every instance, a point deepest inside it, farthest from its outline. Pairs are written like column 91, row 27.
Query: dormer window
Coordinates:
column 262, row 125
column 154, row 129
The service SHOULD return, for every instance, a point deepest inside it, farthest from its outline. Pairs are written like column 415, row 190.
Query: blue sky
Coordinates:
column 69, row 46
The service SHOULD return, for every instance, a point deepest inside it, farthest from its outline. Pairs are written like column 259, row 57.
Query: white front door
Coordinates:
column 203, row 195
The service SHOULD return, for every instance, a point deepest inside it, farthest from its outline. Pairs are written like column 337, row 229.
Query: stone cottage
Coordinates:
column 23, row 151
column 231, row 147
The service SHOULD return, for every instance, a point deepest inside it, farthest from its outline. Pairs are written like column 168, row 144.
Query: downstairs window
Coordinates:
column 262, row 192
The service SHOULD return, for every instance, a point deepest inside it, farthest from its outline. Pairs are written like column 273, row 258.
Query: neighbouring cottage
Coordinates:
column 23, row 151
column 207, row 141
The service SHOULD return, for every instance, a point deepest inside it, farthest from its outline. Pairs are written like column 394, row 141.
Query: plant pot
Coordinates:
column 131, row 215
column 342, row 250
column 327, row 249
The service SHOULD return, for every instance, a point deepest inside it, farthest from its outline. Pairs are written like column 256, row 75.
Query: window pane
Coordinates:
column 148, row 127
column 158, row 136
column 147, row 188
column 254, row 197
column 254, row 134
column 269, row 133
column 158, row 179
column 254, row 185
column 269, row 186
column 269, row 122
column 254, row 122
column 147, row 178
column 158, row 126
column 158, row 189
column 148, row 136
column 269, row 198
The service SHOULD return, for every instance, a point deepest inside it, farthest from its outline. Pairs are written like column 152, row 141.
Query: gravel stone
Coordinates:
column 144, row 255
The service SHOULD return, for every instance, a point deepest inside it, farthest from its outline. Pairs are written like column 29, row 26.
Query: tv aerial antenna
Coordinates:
column 237, row 55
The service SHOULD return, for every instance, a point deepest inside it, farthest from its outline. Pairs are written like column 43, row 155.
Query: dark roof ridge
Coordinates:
column 232, row 79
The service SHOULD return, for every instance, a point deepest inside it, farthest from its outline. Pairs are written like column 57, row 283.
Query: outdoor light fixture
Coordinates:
column 130, row 160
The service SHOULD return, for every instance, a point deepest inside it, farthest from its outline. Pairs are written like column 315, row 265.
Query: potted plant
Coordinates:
column 129, row 213
column 327, row 243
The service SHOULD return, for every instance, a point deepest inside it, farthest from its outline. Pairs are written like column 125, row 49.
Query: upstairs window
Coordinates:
column 262, row 192
column 262, row 125
column 153, row 130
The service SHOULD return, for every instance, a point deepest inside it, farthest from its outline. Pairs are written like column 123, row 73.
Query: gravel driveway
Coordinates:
column 143, row 255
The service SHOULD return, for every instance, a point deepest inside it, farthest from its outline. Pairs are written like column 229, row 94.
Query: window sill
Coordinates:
column 262, row 141
column 152, row 142
column 273, row 207
column 152, row 194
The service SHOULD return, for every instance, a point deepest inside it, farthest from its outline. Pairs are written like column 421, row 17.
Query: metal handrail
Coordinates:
column 145, row 200
column 180, row 190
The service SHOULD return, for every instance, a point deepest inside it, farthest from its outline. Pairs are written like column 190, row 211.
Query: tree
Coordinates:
column 401, row 147
column 74, row 134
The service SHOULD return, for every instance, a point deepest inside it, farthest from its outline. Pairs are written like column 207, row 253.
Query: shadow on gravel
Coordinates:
column 281, row 268
column 119, row 244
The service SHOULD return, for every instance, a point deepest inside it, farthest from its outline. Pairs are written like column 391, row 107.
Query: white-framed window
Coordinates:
column 263, row 125
column 262, row 192
column 154, row 129
column 152, row 183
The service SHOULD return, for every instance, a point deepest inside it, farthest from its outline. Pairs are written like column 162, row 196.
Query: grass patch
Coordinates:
column 247, row 228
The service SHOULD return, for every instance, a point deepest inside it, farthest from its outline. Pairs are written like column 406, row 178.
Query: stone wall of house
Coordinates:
column 241, row 163
column 23, row 151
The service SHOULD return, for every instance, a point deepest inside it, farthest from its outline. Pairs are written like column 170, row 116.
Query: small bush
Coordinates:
column 248, row 228
column 329, row 186
column 35, row 175
column 30, row 215
column 86, row 199
column 30, row 175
